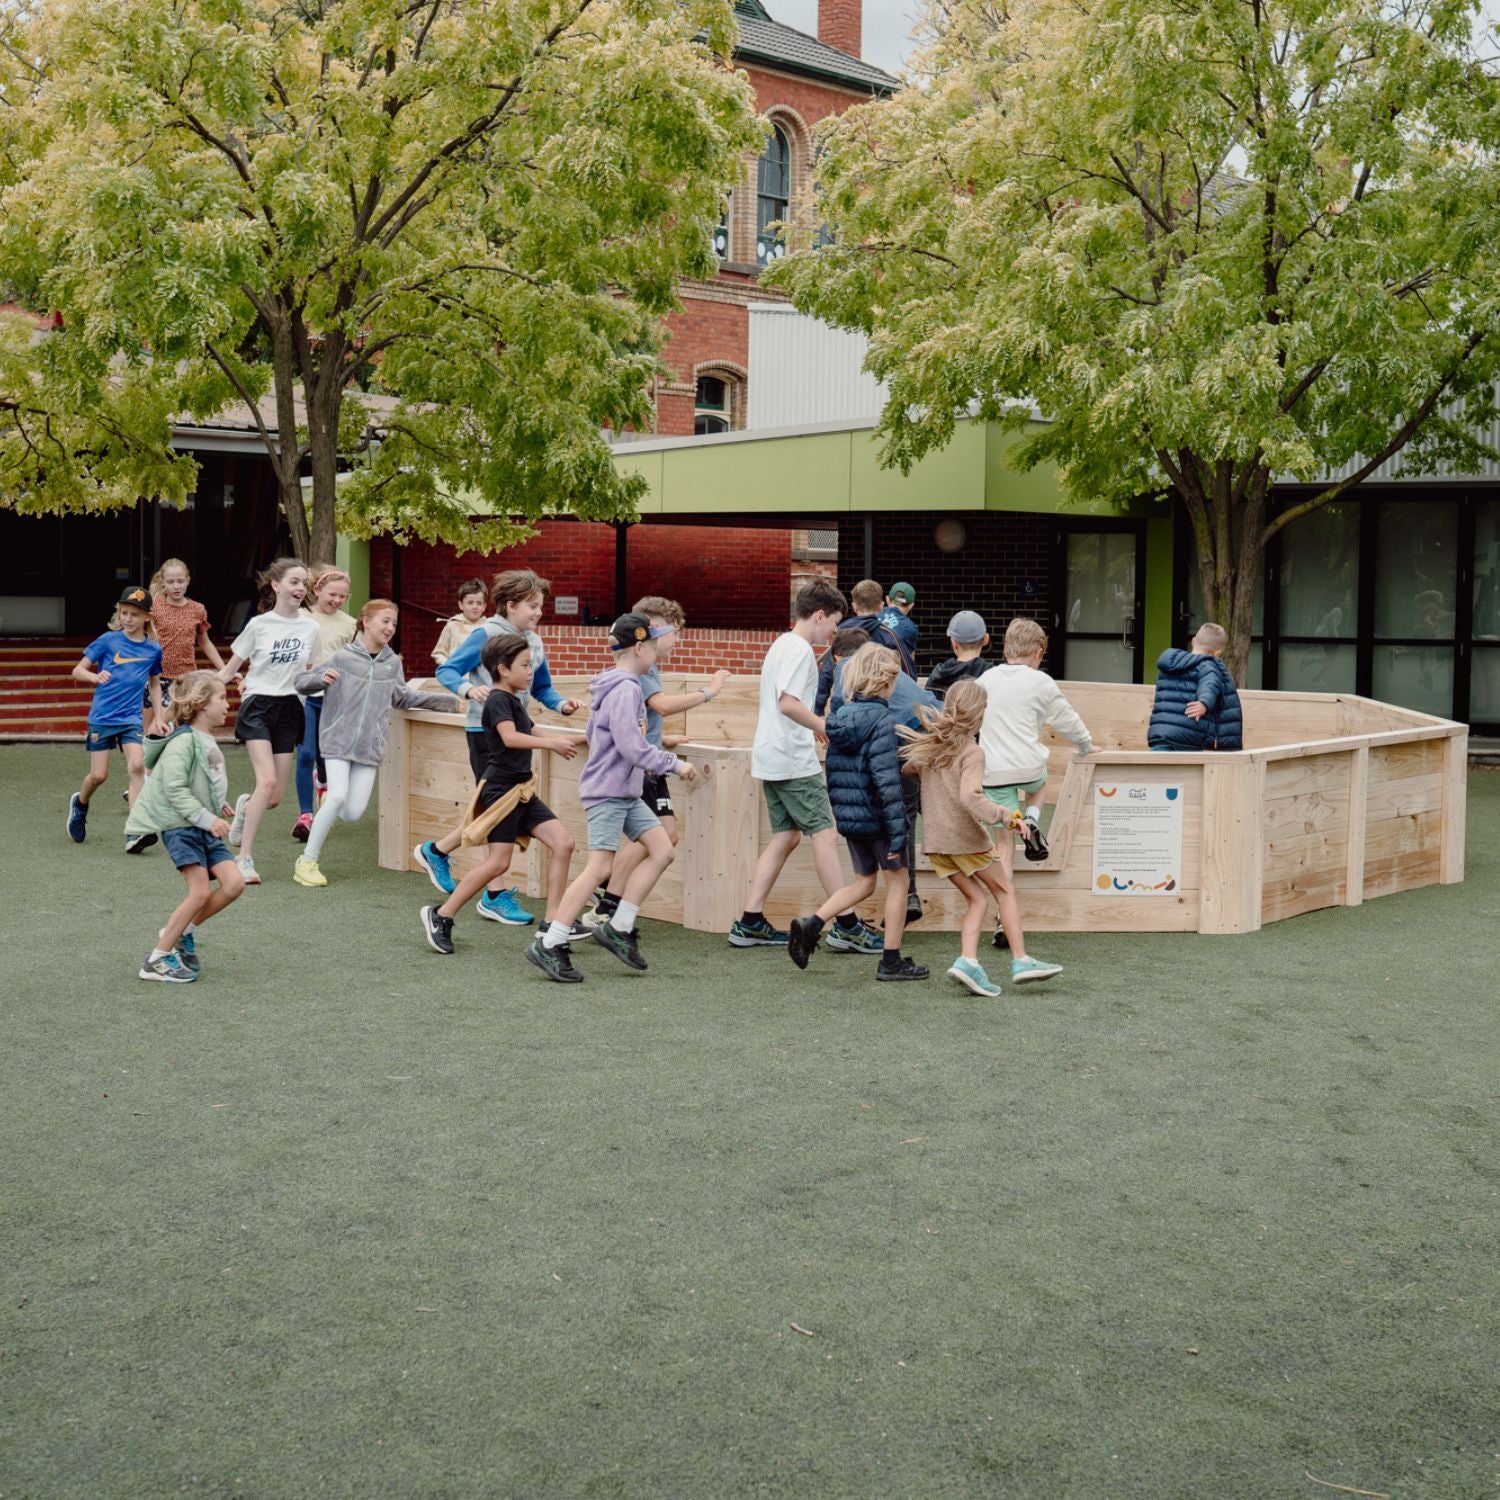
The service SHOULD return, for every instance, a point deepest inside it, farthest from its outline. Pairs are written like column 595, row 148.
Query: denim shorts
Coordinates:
column 617, row 815
column 195, row 846
column 112, row 736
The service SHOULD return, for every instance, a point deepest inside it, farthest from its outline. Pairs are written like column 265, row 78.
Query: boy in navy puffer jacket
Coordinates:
column 1197, row 706
column 864, row 787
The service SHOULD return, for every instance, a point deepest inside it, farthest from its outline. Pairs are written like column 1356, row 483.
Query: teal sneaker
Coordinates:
column 861, row 938
column 973, row 978
column 436, row 864
column 756, row 935
column 168, row 968
column 187, row 954
column 1032, row 971
column 504, row 906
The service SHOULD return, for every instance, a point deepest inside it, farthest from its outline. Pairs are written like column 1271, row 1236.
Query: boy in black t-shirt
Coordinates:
column 509, row 739
column 968, row 638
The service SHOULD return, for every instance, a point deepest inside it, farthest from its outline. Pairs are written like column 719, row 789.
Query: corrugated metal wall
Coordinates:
column 802, row 371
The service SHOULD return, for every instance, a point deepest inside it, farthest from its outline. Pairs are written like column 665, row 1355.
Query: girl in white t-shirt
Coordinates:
column 277, row 646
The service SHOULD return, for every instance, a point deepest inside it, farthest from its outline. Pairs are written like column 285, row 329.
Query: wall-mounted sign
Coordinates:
column 565, row 604
column 1137, row 839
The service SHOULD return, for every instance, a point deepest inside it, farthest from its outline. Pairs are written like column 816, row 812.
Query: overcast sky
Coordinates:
column 888, row 25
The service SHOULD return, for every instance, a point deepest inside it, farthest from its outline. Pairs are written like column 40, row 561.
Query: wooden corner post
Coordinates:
column 1233, row 846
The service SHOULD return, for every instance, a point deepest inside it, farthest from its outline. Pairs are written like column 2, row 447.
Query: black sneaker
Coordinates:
column 626, row 946
column 913, row 908
column 903, row 968
column 556, row 963
column 1000, row 940
column 802, row 939
column 136, row 842
column 439, row 930
column 1031, row 836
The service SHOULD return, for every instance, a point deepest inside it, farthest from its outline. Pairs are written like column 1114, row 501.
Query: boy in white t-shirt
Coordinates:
column 1021, row 700
column 784, row 757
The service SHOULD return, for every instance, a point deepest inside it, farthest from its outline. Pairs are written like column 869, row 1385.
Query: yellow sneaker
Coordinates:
column 306, row 872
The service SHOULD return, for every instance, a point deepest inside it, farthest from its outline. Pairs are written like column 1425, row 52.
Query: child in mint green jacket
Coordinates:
column 184, row 803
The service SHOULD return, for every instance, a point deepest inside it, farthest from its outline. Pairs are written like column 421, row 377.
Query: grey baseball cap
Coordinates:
column 967, row 628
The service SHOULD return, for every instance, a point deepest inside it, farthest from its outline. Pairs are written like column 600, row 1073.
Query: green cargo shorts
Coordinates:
column 798, row 806
column 1008, row 796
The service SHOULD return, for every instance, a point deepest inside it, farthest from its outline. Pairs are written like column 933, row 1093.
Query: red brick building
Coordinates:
column 726, row 577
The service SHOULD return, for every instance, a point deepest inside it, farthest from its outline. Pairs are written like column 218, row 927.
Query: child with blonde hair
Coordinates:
column 181, row 625
column 328, row 588
column 357, row 687
column 864, row 788
column 958, row 831
column 183, row 802
column 1196, row 706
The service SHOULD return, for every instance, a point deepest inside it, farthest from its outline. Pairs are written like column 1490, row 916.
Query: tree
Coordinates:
column 1218, row 244
column 479, row 209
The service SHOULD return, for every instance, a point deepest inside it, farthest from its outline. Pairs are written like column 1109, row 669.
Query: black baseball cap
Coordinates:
column 630, row 630
column 136, row 595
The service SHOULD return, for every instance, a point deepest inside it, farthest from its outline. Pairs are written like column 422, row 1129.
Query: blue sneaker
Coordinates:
column 756, row 935
column 78, row 819
column 861, row 938
column 1032, row 971
column 504, row 906
column 168, row 968
column 436, row 865
column 971, row 975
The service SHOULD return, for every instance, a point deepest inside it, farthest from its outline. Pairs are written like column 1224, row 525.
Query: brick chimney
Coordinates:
column 840, row 23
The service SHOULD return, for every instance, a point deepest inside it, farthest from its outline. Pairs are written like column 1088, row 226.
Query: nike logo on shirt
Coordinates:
column 122, row 661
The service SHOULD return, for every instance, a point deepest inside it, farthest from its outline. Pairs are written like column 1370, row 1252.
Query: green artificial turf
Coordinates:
column 1199, row 1218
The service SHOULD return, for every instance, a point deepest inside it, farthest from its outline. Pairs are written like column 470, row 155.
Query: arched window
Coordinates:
column 774, row 193
column 711, row 405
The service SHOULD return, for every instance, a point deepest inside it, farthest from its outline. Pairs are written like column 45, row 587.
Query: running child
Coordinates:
column 866, row 599
column 610, row 787
column 181, row 625
column 784, row 758
column 122, row 666
column 517, row 598
column 184, row 802
column 958, row 832
column 864, row 786
column 1021, row 700
column 277, row 646
column 472, row 599
column 667, row 618
column 356, row 687
column 506, row 799
column 329, row 592
column 967, row 637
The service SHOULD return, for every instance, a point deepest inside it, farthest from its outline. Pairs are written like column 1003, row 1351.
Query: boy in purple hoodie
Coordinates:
column 620, row 757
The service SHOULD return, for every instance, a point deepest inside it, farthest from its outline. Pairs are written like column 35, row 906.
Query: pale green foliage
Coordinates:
column 1213, row 242
column 482, row 208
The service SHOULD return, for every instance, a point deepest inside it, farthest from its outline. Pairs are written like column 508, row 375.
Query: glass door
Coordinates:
column 1099, row 624
column 1484, row 659
column 1416, row 604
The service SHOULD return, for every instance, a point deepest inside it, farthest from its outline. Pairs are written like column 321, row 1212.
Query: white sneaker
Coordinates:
column 248, row 870
column 237, row 823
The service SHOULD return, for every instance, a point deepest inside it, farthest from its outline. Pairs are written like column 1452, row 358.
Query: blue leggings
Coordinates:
column 307, row 755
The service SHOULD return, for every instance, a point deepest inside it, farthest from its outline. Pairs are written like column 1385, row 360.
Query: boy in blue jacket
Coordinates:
column 864, row 786
column 1196, row 705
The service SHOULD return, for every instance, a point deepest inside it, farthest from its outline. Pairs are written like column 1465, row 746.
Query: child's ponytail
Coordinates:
column 945, row 733
column 274, row 573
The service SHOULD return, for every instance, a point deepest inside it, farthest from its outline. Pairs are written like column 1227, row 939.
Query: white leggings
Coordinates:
column 349, row 788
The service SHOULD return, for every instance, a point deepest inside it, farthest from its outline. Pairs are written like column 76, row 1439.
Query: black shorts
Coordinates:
column 477, row 758
column 871, row 856
column 527, row 817
column 656, row 793
column 276, row 719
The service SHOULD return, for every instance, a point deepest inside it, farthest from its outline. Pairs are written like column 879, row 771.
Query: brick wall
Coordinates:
column 704, row 332
column 725, row 577
column 576, row 650
column 1004, row 569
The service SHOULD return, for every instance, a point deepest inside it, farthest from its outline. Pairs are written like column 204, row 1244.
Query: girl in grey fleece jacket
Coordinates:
column 360, row 684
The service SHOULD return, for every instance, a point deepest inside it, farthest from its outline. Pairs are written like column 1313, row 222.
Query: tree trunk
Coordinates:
column 323, row 442
column 1229, row 535
column 286, row 459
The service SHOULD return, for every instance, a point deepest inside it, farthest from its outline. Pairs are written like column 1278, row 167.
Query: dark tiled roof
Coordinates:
column 768, row 41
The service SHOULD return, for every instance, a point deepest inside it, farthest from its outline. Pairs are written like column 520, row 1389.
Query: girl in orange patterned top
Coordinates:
column 181, row 626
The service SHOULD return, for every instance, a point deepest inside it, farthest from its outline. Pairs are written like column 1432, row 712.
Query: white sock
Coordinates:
column 556, row 935
column 157, row 953
column 191, row 927
column 624, row 917
column 1034, row 814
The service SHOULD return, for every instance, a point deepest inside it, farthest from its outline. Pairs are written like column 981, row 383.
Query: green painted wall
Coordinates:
column 353, row 556
column 1157, row 626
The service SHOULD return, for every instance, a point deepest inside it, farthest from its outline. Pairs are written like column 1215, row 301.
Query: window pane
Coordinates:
column 1484, row 687
column 1320, row 573
column 1099, row 661
column 710, row 392
column 1416, row 575
column 1317, row 669
column 1487, row 571
column 1419, row 677
column 775, row 166
column 1101, row 583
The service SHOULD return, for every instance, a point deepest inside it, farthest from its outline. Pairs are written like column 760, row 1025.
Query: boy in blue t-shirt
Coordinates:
column 121, row 666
